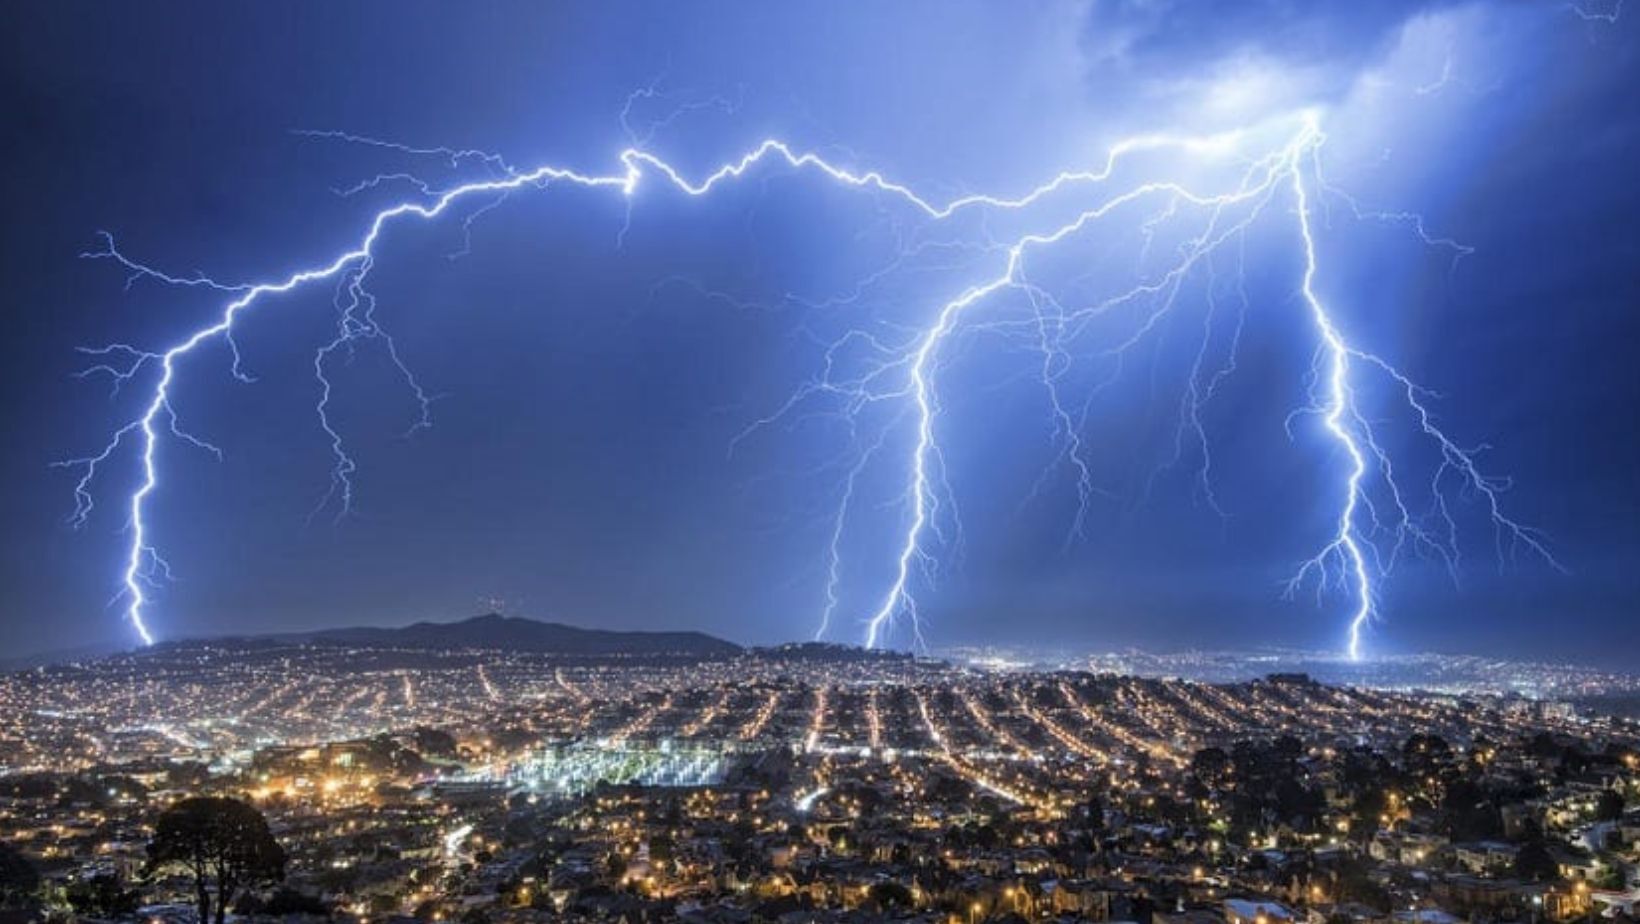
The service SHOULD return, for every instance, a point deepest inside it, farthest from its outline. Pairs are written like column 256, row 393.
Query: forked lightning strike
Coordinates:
column 1374, row 523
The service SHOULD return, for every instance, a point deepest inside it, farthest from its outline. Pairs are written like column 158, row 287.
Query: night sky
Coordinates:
column 593, row 365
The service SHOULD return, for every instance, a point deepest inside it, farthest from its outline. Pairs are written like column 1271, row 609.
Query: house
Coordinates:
column 1481, row 857
column 1246, row 911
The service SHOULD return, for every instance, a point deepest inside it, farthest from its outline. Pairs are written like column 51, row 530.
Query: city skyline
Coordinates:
column 663, row 373
column 457, row 780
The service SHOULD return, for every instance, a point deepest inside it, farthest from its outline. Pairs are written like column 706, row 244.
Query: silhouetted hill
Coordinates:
column 513, row 633
column 503, row 633
column 489, row 632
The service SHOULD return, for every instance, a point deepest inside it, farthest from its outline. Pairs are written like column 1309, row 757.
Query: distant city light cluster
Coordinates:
column 429, row 782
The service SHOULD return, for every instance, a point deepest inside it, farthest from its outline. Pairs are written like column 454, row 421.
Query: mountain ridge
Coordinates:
column 484, row 632
column 493, row 631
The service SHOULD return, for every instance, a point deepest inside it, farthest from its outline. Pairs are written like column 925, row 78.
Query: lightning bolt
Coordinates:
column 1346, row 555
column 1374, row 521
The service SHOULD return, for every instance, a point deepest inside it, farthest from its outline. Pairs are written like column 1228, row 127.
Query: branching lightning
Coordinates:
column 865, row 369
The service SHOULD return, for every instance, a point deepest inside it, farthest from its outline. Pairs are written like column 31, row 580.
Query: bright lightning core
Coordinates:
column 1192, row 202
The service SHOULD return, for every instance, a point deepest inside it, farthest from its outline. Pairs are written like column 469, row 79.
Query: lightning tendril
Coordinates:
column 1373, row 525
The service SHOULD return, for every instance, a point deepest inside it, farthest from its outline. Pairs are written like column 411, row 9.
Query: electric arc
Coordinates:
column 1269, row 173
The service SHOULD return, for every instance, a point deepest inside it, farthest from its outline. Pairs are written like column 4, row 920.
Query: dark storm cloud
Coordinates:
column 1148, row 37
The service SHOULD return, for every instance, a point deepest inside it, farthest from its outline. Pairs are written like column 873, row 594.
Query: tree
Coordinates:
column 891, row 894
column 218, row 840
column 1351, row 883
column 1534, row 861
column 1609, row 805
column 102, row 897
column 1470, row 812
column 1094, row 810
column 18, row 879
column 662, row 849
column 1370, row 805
column 433, row 742
column 1212, row 766
column 1424, row 754
column 1610, row 877
column 1287, row 748
column 285, row 902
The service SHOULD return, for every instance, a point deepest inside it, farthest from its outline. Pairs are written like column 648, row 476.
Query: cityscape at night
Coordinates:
column 942, row 461
column 814, row 782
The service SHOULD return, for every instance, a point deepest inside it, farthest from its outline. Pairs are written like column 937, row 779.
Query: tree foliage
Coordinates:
column 18, row 879
column 102, row 897
column 1608, row 806
column 1211, row 765
column 1534, row 862
column 217, row 841
column 890, row 894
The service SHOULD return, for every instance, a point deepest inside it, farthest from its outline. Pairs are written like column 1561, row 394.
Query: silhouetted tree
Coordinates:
column 662, row 849
column 1351, row 883
column 1609, row 806
column 18, row 879
column 1425, row 753
column 1470, row 812
column 102, row 897
column 1211, row 766
column 1370, row 805
column 1287, row 748
column 433, row 742
column 1543, row 744
column 1534, row 861
column 284, row 902
column 1094, row 812
column 891, row 894
column 218, row 840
